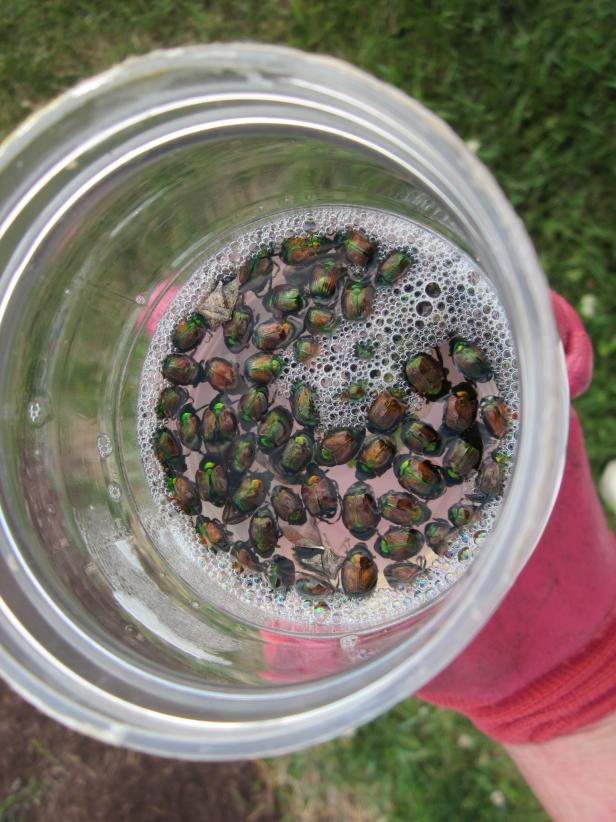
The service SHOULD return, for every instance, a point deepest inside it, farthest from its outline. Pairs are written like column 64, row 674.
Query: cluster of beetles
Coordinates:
column 326, row 279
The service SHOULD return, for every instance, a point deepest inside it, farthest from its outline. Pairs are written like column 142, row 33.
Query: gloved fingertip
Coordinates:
column 577, row 345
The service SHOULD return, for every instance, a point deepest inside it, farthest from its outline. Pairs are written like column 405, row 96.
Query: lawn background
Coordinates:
column 530, row 86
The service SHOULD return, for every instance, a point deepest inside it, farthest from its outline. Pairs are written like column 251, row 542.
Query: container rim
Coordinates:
column 382, row 682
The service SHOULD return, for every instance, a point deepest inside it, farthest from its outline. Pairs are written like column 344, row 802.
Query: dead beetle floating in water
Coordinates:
column 272, row 334
column 320, row 496
column 303, row 402
column 419, row 477
column 237, row 331
column 168, row 450
column 274, row 429
column 470, row 360
column 385, row 412
column 211, row 479
column 359, row 571
column 323, row 286
column 221, row 374
column 287, row 505
column 426, row 376
column 399, row 543
column 241, row 454
column 339, row 445
column 360, row 513
column 301, row 249
column 460, row 408
column 494, row 414
column 212, row 533
column 181, row 369
column 264, row 532
column 219, row 423
column 254, row 404
column 263, row 368
column 189, row 332
column 295, row 456
column 189, row 428
column 247, row 497
column 170, row 400
column 375, row 456
column 184, row 493
column 403, row 509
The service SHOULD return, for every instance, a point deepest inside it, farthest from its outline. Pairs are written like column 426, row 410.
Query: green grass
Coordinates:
column 529, row 83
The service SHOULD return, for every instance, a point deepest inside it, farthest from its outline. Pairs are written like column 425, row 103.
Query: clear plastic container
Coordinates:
column 118, row 187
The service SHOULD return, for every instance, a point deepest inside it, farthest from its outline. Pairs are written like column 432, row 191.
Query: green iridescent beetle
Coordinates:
column 393, row 268
column 244, row 558
column 491, row 478
column 495, row 416
column 263, row 368
column 339, row 445
column 359, row 572
column 303, row 401
column 170, row 400
column 403, row 509
column 241, row 455
column 295, row 456
column 357, row 301
column 281, row 573
column 354, row 392
column 460, row 409
column 364, row 349
column 273, row 334
column 324, row 279
column 300, row 249
column 274, row 429
column 420, row 437
column 283, row 300
column 313, row 587
column 320, row 495
column 460, row 459
column 211, row 479
column 360, row 512
column 463, row 513
column 168, row 450
column 189, row 332
column 439, row 536
column 264, row 532
column 182, row 369
column 470, row 360
column 306, row 349
column 426, row 376
column 218, row 423
column 237, row 331
column 385, row 412
column 221, row 375
column 287, row 505
column 420, row 477
column 321, row 320
column 258, row 266
column 375, row 456
column 357, row 248
column 253, row 404
column 184, row 494
column 212, row 534
column 247, row 497
column 399, row 543
column 189, row 428
column 401, row 573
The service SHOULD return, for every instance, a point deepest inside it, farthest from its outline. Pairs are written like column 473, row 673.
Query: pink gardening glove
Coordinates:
column 545, row 664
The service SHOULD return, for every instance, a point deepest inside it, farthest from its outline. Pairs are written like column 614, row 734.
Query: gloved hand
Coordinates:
column 545, row 664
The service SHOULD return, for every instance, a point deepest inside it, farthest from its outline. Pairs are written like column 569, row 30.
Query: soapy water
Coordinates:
column 443, row 295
